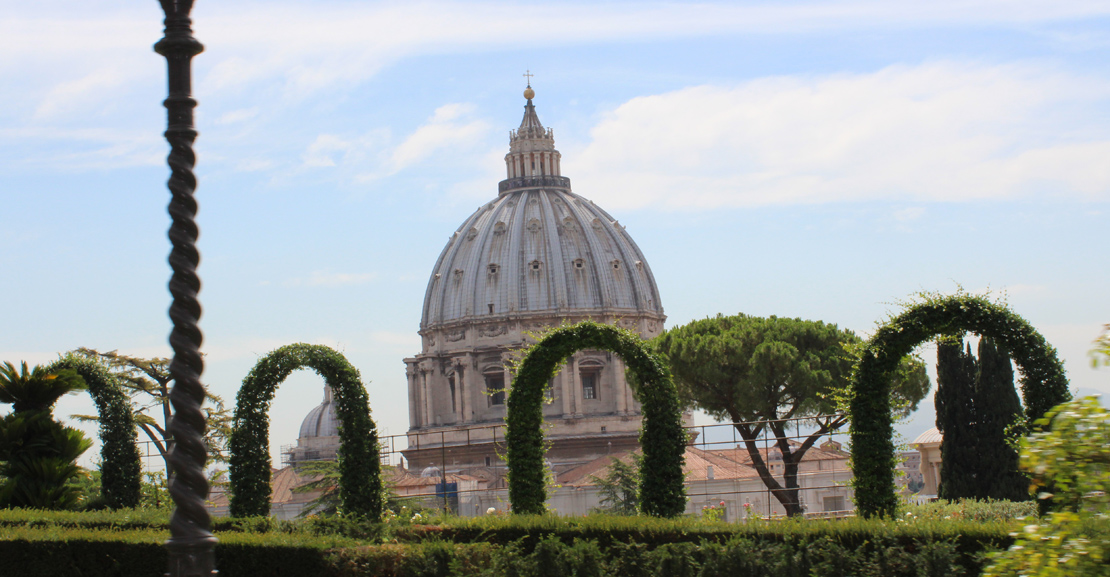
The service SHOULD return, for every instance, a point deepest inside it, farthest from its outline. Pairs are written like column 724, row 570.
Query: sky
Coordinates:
column 823, row 160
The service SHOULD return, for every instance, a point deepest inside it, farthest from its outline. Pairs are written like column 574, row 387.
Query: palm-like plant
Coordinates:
column 38, row 455
column 36, row 390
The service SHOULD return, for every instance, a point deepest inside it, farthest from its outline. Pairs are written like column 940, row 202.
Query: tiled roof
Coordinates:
column 695, row 468
column 740, row 453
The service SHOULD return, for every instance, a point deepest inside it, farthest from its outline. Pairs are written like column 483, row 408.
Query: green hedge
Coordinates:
column 120, row 465
column 50, row 551
column 139, row 553
column 662, row 493
column 359, row 467
column 1043, row 381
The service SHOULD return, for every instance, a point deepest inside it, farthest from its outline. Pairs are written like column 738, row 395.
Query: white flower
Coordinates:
column 491, row 510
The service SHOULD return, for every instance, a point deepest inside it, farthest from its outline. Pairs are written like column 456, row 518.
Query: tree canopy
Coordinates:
column 757, row 372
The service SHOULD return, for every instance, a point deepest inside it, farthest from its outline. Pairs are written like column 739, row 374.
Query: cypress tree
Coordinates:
column 955, row 405
column 997, row 408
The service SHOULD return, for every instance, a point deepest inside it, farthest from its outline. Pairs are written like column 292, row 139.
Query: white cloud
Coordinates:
column 309, row 47
column 88, row 147
column 71, row 96
column 445, row 128
column 934, row 132
column 323, row 150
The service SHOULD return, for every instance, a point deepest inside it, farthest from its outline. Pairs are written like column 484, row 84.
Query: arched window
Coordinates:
column 495, row 385
column 451, row 387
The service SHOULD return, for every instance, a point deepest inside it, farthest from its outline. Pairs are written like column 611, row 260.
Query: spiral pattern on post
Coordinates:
column 191, row 541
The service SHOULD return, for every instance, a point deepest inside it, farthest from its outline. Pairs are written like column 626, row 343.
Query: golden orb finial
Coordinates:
column 528, row 92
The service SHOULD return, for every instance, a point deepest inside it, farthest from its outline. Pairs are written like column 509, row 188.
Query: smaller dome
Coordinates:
column 931, row 436
column 321, row 420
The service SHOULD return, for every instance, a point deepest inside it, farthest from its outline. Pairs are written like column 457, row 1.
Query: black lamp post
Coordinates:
column 191, row 541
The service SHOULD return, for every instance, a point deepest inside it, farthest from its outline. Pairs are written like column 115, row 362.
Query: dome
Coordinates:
column 321, row 420
column 538, row 248
column 933, row 435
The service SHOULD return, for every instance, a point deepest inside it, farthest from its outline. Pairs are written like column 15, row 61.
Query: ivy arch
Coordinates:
column 120, row 465
column 663, row 440
column 1043, row 382
column 359, row 467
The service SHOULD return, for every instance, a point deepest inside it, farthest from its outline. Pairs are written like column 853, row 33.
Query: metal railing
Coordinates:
column 823, row 471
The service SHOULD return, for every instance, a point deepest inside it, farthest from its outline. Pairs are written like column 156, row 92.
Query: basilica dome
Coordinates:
column 321, row 420
column 537, row 249
column 535, row 257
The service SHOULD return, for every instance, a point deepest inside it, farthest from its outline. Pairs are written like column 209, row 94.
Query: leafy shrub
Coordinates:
column 1068, row 456
column 971, row 510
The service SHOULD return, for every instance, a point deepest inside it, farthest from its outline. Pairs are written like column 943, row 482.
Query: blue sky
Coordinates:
column 814, row 159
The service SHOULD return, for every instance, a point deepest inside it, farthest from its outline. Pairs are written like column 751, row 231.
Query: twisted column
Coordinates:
column 191, row 541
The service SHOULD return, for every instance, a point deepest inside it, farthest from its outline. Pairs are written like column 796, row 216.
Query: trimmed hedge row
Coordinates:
column 53, row 551
column 970, row 535
column 50, row 551
column 980, row 523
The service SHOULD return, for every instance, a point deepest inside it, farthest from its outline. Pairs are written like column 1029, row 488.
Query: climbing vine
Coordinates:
column 663, row 440
column 1043, row 382
column 359, row 467
column 120, row 466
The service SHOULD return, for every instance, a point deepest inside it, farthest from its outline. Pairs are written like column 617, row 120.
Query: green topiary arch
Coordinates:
column 1043, row 382
column 120, row 465
column 663, row 440
column 359, row 467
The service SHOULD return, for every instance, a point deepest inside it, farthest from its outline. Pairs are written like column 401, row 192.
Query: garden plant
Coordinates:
column 663, row 440
column 359, row 467
column 1043, row 382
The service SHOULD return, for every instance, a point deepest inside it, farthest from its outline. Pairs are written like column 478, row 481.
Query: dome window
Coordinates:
column 535, row 265
column 494, row 268
column 458, row 274
column 499, row 228
column 616, row 265
column 579, row 263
